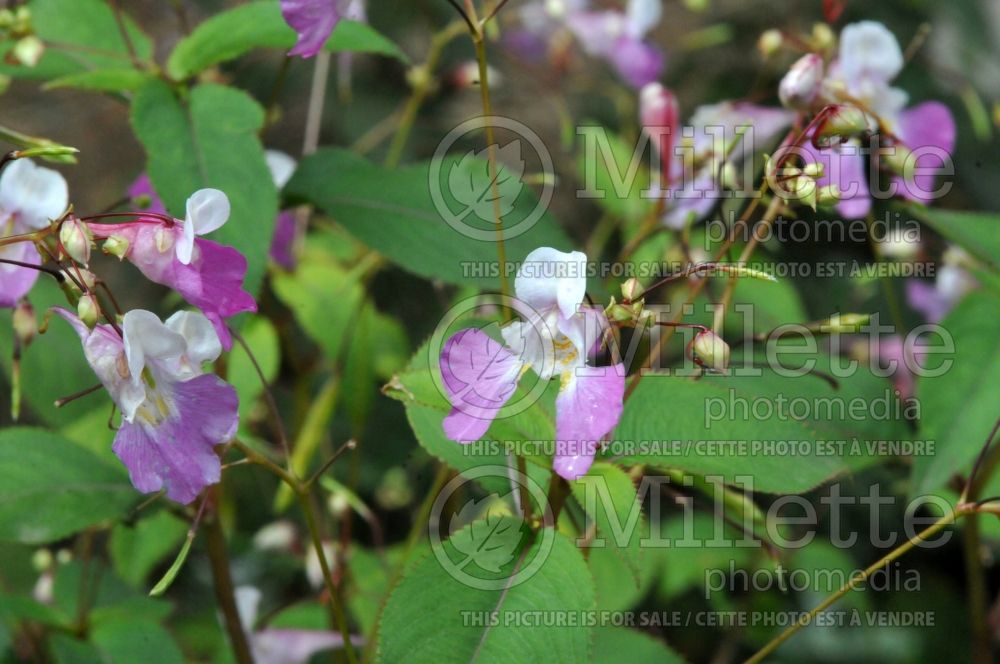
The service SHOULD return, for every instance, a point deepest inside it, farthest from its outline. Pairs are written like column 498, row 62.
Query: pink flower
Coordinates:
column 314, row 21
column 952, row 282
column 207, row 274
column 142, row 188
column 555, row 340
column 286, row 231
column 659, row 117
column 30, row 197
column 173, row 415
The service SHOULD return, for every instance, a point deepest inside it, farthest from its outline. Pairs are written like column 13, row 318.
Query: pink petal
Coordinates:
column 313, row 20
column 178, row 452
column 143, row 186
column 294, row 646
column 588, row 406
column 283, row 241
column 15, row 281
column 929, row 130
column 480, row 375
column 636, row 61
column 844, row 166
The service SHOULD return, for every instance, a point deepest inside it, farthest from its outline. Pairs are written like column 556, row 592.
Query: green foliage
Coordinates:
column 976, row 232
column 76, row 489
column 137, row 549
column 612, row 644
column 230, row 34
column 959, row 405
column 410, row 632
column 393, row 212
column 210, row 139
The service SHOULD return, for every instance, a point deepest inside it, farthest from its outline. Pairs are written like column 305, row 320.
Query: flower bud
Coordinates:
column 841, row 324
column 828, row 195
column 42, row 560
column 619, row 313
column 899, row 160
column 116, row 245
column 466, row 75
column 24, row 322
column 632, row 289
column 800, row 189
column 814, row 170
column 770, row 42
column 710, row 351
column 338, row 504
column 659, row 116
column 800, row 85
column 87, row 309
column 839, row 124
column 28, row 50
column 822, row 36
column 75, row 237
column 728, row 178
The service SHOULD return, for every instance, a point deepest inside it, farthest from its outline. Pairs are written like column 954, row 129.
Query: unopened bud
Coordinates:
column 770, row 42
column 828, row 195
column 659, row 115
column 24, row 322
column 28, row 50
column 841, row 324
column 814, row 170
column 88, row 309
column 42, row 560
column 899, row 160
column 466, row 75
column 619, row 313
column 116, row 245
column 632, row 289
column 800, row 189
column 728, row 178
column 800, row 85
column 840, row 123
column 75, row 237
column 822, row 36
column 338, row 504
column 710, row 351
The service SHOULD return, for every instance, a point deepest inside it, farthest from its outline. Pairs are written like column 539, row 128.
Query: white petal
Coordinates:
column 202, row 340
column 33, row 193
column 247, row 602
column 549, row 278
column 184, row 243
column 146, row 338
column 869, row 49
column 207, row 210
column 643, row 15
column 281, row 165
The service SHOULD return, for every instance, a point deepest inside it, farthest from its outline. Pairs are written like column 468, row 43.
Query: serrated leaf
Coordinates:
column 484, row 195
column 610, row 499
column 491, row 541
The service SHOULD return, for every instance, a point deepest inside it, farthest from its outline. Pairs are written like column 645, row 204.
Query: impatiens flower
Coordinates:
column 555, row 340
column 30, row 197
column 952, row 282
column 142, row 190
column 801, row 84
column 282, row 646
column 207, row 274
column 313, row 21
column 614, row 35
column 286, row 231
column 869, row 58
column 173, row 414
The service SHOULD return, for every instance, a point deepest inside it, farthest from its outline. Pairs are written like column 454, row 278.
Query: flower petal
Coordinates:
column 313, row 20
column 928, row 129
column 34, row 194
column 641, row 16
column 15, row 281
column 283, row 241
column 295, row 646
column 145, row 338
column 844, row 166
column 868, row 49
column 479, row 375
column 200, row 337
column 589, row 405
column 207, row 210
column 177, row 453
column 143, row 187
column 637, row 61
column 281, row 165
column 550, row 278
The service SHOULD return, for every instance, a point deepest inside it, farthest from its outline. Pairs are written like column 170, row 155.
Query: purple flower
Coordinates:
column 142, row 188
column 952, row 283
column 282, row 646
column 555, row 340
column 314, row 21
column 30, row 197
column 173, row 415
column 207, row 274
column 286, row 231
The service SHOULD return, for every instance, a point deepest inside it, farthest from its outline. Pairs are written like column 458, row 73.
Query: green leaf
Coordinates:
column 613, row 644
column 471, row 184
column 607, row 183
column 211, row 140
column 410, row 632
column 136, row 550
column 136, row 641
column 101, row 80
column 91, row 27
column 959, row 407
column 232, row 33
column 976, row 232
column 488, row 542
column 51, row 488
column 609, row 498
column 711, row 428
column 393, row 212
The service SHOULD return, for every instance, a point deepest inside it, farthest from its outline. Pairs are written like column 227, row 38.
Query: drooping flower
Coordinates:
column 282, row 645
column 30, row 197
column 613, row 35
column 691, row 172
column 555, row 340
column 869, row 58
column 207, row 274
column 314, row 21
column 286, row 231
column 952, row 282
column 173, row 414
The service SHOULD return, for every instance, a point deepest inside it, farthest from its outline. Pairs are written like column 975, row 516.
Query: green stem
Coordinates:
column 222, row 582
column 860, row 578
column 976, row 587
